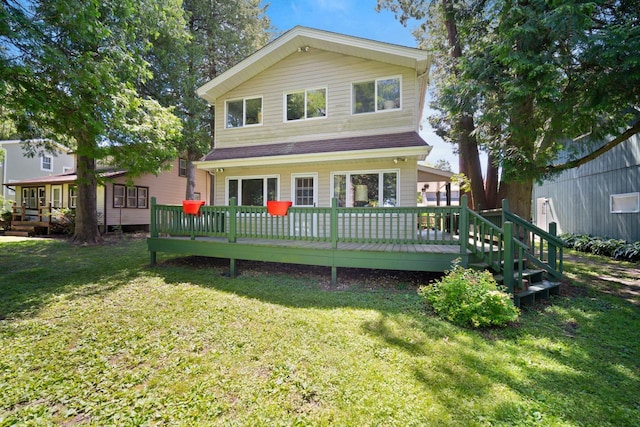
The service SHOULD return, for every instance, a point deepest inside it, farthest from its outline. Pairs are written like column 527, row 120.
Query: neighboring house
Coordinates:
column 601, row 198
column 17, row 166
column 316, row 115
column 119, row 202
column 435, row 187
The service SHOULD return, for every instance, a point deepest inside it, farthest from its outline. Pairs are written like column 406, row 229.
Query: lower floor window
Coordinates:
column 32, row 197
column 366, row 189
column 252, row 191
column 130, row 197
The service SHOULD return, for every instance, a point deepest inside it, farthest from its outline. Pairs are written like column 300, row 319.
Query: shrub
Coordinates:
column 469, row 297
column 63, row 221
column 614, row 248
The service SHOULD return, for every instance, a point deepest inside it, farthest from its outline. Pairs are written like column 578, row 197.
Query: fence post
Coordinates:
column 233, row 210
column 552, row 250
column 464, row 224
column 153, row 232
column 334, row 223
column 505, row 209
column 508, row 257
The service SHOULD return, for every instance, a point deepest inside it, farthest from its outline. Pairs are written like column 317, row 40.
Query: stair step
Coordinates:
column 17, row 233
column 30, row 228
column 537, row 291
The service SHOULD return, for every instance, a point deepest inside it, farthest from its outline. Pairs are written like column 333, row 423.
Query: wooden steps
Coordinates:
column 17, row 233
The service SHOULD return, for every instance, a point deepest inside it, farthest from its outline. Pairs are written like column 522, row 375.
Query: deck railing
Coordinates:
column 504, row 243
column 399, row 225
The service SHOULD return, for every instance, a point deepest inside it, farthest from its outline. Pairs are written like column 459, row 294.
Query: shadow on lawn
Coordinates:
column 34, row 271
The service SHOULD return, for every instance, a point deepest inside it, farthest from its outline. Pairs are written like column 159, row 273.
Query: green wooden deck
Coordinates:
column 403, row 238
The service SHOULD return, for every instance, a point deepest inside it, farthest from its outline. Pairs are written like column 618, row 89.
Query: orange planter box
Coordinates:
column 278, row 207
column 192, row 207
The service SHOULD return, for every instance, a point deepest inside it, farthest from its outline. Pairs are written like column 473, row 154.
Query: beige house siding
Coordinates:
column 311, row 70
column 168, row 188
column 407, row 176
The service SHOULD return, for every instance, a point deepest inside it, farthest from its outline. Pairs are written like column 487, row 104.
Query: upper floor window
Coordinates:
column 306, row 104
column 376, row 95
column 182, row 167
column 243, row 112
column 46, row 163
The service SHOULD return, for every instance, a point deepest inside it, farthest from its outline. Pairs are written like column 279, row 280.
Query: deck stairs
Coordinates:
column 536, row 285
column 22, row 229
column 528, row 257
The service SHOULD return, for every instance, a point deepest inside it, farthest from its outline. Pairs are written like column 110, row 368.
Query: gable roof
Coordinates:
column 359, row 147
column 300, row 38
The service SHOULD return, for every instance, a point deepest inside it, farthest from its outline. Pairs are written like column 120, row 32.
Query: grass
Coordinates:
column 94, row 336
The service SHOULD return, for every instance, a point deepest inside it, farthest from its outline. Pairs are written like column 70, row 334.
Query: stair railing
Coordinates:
column 543, row 249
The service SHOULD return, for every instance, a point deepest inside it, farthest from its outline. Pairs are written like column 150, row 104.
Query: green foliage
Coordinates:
column 470, row 297
column 63, row 221
column 614, row 248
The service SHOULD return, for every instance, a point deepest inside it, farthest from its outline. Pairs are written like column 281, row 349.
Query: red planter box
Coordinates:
column 278, row 207
column 192, row 207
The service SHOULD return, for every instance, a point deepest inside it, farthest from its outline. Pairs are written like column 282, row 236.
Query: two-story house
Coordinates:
column 316, row 115
column 17, row 166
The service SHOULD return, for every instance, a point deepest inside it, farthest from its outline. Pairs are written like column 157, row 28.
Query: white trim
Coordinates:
column 635, row 209
column 313, row 175
column 380, row 172
column 302, row 38
column 53, row 199
column 375, row 95
column 42, row 157
column 247, row 177
column 244, row 111
column 284, row 104
column 420, row 152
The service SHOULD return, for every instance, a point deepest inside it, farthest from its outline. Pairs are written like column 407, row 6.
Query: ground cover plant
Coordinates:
column 615, row 248
column 94, row 336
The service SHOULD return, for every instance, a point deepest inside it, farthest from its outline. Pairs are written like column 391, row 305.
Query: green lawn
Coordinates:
column 94, row 336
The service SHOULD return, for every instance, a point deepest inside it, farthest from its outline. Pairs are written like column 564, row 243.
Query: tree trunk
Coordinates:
column 491, row 184
column 470, row 155
column 191, row 176
column 519, row 196
column 86, row 230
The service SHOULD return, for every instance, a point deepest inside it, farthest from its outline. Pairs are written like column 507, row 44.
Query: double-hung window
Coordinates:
column 366, row 189
column 182, row 167
column 46, row 163
column 243, row 112
column 252, row 191
column 306, row 104
column 376, row 95
column 130, row 197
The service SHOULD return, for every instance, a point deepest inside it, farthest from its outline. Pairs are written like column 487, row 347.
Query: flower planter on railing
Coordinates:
column 192, row 207
column 278, row 207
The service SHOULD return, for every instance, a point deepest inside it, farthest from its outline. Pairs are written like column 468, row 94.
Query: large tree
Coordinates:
column 69, row 72
column 535, row 78
column 221, row 33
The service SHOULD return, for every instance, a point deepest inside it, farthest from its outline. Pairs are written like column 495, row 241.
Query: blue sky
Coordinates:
column 355, row 18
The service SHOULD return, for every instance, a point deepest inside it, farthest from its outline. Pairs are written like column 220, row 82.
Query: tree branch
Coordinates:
column 600, row 151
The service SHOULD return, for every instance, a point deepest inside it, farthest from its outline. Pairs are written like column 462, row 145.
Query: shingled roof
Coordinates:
column 358, row 143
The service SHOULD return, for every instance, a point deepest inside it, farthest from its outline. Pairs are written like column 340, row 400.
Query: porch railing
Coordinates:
column 400, row 225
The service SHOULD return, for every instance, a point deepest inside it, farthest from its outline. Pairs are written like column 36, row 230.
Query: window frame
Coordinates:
column 381, row 172
column 285, row 118
column 57, row 202
column 130, row 200
column 375, row 95
column 294, row 189
column 244, row 112
column 265, row 189
column 42, row 163
column 636, row 209
column 73, row 196
column 182, row 167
